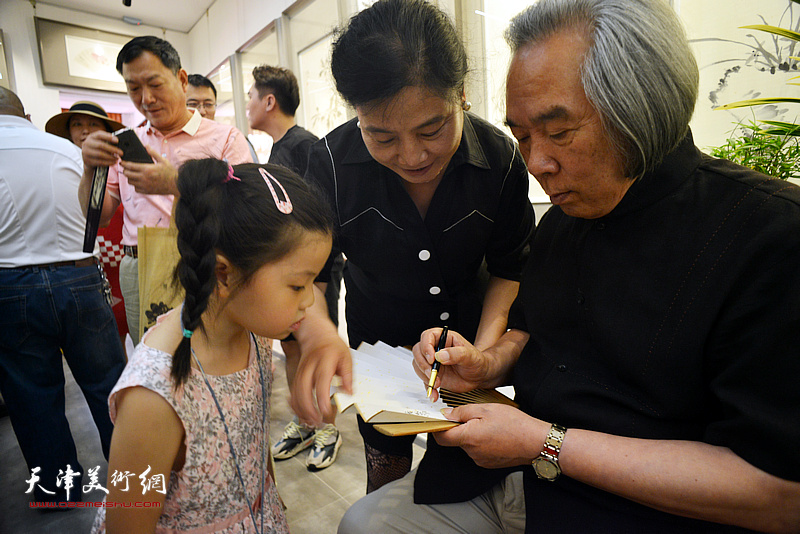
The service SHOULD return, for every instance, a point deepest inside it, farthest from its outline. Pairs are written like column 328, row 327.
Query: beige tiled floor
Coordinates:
column 15, row 515
column 316, row 501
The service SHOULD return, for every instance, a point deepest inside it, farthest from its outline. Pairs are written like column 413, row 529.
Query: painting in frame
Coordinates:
column 79, row 57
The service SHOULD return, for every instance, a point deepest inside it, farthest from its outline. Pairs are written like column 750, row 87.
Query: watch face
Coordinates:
column 546, row 468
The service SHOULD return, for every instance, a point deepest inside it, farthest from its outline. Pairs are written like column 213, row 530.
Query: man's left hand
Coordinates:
column 159, row 178
column 495, row 435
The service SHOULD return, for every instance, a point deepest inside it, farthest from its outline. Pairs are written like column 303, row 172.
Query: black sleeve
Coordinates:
column 516, row 316
column 511, row 234
column 300, row 154
column 754, row 359
column 320, row 174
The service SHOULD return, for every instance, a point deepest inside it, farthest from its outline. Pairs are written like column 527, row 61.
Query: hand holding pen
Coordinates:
column 436, row 364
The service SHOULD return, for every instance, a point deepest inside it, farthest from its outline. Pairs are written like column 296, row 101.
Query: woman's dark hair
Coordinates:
column 238, row 219
column 160, row 48
column 395, row 44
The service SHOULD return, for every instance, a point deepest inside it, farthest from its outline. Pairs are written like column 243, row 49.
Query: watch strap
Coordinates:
column 553, row 441
column 546, row 464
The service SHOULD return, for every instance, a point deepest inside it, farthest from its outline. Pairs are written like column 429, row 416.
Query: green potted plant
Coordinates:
column 772, row 148
column 772, row 151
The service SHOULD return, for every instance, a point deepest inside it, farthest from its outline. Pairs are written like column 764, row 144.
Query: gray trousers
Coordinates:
column 129, row 286
column 391, row 509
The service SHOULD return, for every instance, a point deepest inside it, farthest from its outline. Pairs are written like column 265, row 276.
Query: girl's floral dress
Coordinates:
column 206, row 496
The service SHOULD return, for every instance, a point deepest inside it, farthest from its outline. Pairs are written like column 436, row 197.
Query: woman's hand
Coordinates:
column 324, row 355
column 310, row 390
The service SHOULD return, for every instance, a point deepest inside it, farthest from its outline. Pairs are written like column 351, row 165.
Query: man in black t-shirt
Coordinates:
column 273, row 100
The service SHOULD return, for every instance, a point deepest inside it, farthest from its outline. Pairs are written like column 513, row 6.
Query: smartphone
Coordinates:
column 132, row 148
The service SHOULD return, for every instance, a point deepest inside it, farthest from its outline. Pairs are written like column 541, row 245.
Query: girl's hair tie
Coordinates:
column 186, row 332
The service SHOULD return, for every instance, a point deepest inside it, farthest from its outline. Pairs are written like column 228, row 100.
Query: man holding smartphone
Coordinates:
column 156, row 85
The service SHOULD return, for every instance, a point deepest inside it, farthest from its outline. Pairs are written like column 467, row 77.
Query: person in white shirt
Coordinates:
column 51, row 302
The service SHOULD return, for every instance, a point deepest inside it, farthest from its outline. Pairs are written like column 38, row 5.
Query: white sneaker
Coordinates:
column 327, row 441
column 295, row 439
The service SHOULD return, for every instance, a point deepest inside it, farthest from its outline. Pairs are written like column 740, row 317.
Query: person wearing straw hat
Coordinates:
column 75, row 125
column 82, row 119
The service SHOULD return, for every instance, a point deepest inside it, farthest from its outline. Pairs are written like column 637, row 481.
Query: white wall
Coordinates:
column 218, row 34
column 227, row 26
column 16, row 21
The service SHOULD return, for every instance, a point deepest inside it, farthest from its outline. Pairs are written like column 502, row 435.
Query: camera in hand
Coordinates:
column 96, row 196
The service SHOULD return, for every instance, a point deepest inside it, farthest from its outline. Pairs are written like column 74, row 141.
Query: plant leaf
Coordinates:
column 782, row 124
column 783, row 32
column 759, row 101
column 782, row 128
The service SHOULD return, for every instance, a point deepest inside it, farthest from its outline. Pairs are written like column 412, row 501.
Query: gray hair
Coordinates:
column 639, row 73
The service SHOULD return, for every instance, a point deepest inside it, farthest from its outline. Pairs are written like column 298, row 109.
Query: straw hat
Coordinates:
column 59, row 124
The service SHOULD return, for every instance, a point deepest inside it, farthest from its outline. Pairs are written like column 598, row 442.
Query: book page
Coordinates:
column 386, row 389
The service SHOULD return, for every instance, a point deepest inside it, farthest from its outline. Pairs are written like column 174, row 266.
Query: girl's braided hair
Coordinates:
column 237, row 218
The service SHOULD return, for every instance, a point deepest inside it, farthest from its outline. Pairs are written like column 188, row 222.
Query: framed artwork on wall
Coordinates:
column 4, row 80
column 79, row 57
column 738, row 63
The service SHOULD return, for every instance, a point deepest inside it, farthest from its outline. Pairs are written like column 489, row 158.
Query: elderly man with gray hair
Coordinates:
column 653, row 346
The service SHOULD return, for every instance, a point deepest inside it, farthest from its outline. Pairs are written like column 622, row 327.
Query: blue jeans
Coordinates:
column 44, row 311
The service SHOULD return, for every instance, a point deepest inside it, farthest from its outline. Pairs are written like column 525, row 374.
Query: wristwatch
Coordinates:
column 546, row 464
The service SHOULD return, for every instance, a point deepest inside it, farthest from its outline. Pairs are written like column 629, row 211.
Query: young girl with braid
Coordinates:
column 191, row 408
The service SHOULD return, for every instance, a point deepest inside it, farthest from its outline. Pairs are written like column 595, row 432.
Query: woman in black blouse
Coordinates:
column 432, row 214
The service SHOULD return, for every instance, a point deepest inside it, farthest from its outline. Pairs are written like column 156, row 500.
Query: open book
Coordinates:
column 387, row 392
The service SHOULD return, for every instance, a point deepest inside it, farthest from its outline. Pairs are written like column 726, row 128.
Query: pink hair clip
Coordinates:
column 284, row 206
column 230, row 176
